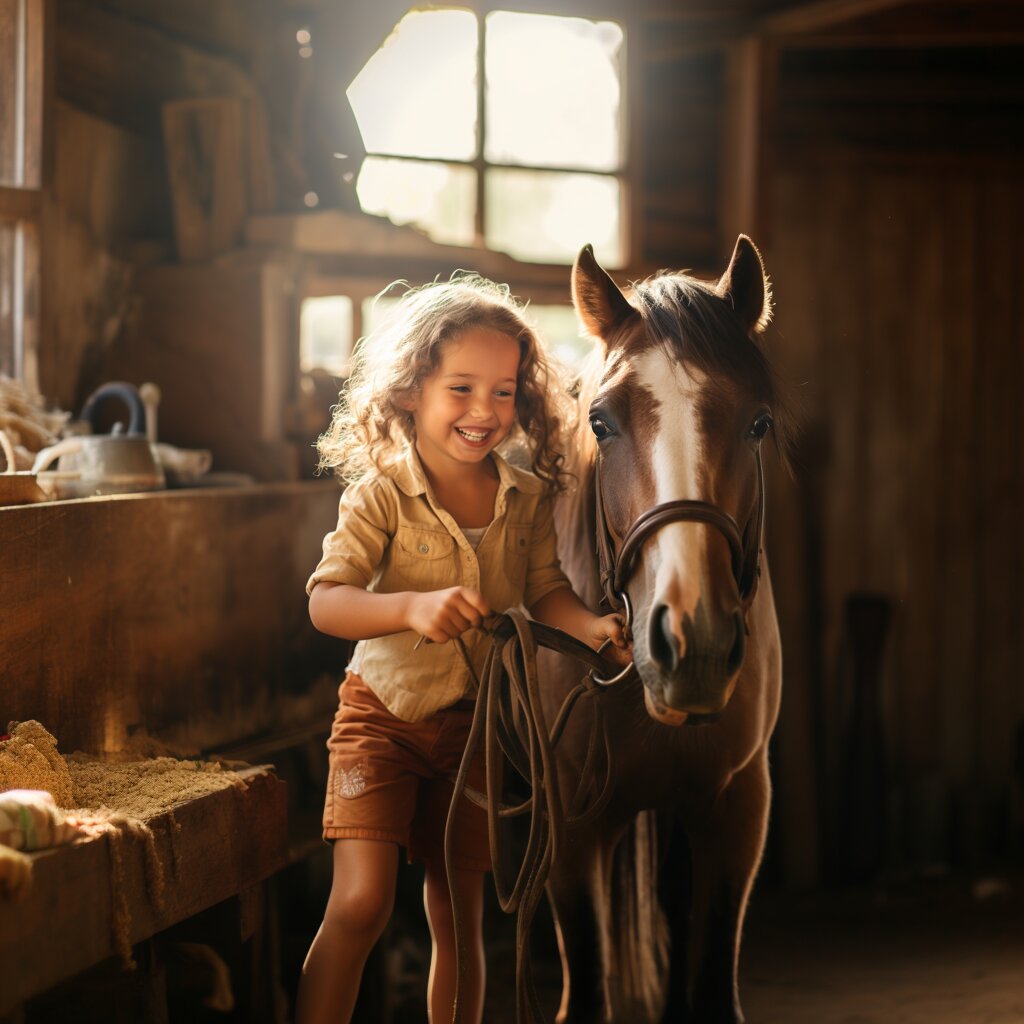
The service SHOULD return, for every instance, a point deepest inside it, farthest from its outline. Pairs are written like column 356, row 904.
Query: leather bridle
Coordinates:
column 617, row 564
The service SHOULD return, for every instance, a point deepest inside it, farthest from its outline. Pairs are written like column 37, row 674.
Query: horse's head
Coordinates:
column 678, row 413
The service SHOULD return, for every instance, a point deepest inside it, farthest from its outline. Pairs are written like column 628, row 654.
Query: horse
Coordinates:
column 649, row 897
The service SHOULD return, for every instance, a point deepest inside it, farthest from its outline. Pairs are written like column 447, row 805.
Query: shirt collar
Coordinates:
column 408, row 474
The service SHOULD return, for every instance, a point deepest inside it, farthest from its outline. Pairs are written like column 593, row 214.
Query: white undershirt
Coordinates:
column 474, row 534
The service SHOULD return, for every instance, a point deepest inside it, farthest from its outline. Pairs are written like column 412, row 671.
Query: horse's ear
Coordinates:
column 599, row 303
column 746, row 287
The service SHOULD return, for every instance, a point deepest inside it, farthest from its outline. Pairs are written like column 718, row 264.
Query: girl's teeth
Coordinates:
column 471, row 435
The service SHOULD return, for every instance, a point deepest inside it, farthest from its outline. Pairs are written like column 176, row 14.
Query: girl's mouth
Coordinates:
column 474, row 437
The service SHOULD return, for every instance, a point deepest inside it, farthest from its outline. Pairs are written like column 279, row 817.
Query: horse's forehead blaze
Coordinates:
column 676, row 446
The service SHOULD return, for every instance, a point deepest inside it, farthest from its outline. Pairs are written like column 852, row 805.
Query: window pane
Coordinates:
column 559, row 328
column 553, row 91
column 548, row 216
column 377, row 310
column 325, row 333
column 439, row 198
column 416, row 96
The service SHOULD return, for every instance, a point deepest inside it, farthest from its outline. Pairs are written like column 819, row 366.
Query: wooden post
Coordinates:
column 750, row 86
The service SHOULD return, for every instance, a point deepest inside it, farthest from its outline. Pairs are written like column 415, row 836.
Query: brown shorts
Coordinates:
column 390, row 779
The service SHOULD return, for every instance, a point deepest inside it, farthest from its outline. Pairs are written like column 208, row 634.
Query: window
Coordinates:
column 21, row 144
column 502, row 129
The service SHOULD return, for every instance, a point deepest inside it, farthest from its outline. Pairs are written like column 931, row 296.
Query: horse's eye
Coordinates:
column 761, row 426
column 600, row 428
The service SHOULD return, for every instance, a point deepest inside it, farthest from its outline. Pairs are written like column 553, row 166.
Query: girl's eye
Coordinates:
column 503, row 394
column 761, row 426
column 462, row 389
column 600, row 428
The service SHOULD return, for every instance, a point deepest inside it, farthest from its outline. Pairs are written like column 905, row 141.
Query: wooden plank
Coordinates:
column 750, row 90
column 922, row 26
column 210, row 849
column 205, row 143
column 220, row 342
column 819, row 14
column 19, row 204
column 180, row 614
column 123, row 70
column 227, row 27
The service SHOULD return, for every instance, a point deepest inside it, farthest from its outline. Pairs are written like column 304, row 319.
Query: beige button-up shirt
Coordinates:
column 393, row 536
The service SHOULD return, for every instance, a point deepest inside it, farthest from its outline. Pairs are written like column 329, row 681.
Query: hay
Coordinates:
column 114, row 798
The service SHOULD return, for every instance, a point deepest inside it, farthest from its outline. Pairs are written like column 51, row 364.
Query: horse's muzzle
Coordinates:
column 694, row 676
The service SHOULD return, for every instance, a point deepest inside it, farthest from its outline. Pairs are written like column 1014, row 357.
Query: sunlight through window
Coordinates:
column 559, row 328
column 551, row 151
column 546, row 216
column 417, row 94
column 325, row 334
column 436, row 197
column 561, row 107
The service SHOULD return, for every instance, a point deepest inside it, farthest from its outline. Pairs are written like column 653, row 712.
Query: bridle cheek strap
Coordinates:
column 617, row 567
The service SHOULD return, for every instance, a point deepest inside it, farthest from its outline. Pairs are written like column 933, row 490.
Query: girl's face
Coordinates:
column 467, row 406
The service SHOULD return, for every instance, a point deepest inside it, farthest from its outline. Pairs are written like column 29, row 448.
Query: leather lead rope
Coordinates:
column 509, row 719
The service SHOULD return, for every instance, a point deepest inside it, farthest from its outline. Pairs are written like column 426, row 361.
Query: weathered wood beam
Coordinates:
column 123, row 70
column 19, row 203
column 950, row 25
column 823, row 14
column 226, row 27
column 750, row 94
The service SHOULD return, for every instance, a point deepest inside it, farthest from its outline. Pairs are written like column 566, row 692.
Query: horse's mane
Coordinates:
column 698, row 328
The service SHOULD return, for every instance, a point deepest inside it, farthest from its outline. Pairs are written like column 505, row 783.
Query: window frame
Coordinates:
column 23, row 200
column 623, row 173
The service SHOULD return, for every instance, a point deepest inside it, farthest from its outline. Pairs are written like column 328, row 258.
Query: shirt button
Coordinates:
column 522, row 542
column 424, row 548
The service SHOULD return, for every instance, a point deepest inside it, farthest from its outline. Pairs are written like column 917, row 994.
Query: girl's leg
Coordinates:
column 443, row 962
column 358, row 909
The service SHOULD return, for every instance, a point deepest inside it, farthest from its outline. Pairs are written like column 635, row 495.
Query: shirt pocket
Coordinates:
column 423, row 558
column 517, row 556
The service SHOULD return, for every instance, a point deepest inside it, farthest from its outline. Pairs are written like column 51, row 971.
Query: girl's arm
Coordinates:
column 355, row 614
column 563, row 609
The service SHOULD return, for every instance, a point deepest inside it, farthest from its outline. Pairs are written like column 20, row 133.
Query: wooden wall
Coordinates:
column 898, row 264
column 178, row 616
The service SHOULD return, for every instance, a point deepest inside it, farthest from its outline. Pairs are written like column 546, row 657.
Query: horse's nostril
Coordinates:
column 738, row 646
column 662, row 643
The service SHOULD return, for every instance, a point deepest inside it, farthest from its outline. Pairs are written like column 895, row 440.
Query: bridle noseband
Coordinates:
column 617, row 567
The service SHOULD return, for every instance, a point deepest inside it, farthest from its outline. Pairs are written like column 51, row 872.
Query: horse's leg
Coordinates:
column 571, row 891
column 675, row 892
column 726, row 847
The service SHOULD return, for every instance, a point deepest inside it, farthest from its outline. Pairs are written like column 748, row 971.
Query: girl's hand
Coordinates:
column 609, row 627
column 440, row 615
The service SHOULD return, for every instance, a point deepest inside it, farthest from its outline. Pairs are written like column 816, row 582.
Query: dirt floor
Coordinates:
column 947, row 951
column 944, row 952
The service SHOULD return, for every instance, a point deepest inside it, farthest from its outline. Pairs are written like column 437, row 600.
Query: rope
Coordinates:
column 509, row 719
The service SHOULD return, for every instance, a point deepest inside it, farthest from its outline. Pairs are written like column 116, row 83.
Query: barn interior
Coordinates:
column 208, row 195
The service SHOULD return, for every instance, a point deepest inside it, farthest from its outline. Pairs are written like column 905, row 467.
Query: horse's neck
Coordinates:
column 575, row 525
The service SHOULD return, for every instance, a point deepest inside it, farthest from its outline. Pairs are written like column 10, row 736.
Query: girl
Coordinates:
column 435, row 531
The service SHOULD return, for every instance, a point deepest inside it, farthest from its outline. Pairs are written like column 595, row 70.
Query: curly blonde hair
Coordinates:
column 370, row 427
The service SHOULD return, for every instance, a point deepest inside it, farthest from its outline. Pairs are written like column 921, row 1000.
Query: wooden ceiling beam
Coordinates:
column 823, row 14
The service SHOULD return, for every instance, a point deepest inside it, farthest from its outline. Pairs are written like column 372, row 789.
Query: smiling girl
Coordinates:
column 435, row 531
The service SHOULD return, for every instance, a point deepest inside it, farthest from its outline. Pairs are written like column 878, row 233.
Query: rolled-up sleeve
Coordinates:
column 544, row 572
column 353, row 550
